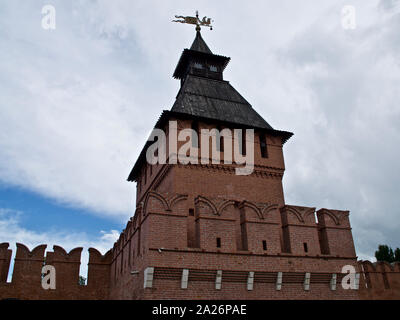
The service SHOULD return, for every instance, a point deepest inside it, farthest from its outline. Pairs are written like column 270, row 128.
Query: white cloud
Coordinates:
column 77, row 103
column 12, row 232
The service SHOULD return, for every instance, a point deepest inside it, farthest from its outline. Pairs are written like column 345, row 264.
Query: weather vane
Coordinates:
column 206, row 22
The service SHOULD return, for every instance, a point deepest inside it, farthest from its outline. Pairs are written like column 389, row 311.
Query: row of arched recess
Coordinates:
column 164, row 203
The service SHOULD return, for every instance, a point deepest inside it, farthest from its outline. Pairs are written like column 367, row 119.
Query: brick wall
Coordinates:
column 27, row 274
column 379, row 280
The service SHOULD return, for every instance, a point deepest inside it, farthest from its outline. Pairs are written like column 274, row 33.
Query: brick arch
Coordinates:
column 267, row 209
column 209, row 203
column 177, row 198
column 158, row 196
column 307, row 213
column 253, row 206
column 331, row 215
column 224, row 205
column 296, row 213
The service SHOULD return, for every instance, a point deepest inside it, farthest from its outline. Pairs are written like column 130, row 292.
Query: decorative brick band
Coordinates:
column 249, row 253
column 248, row 278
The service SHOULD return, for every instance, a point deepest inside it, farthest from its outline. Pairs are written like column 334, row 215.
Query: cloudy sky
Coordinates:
column 78, row 102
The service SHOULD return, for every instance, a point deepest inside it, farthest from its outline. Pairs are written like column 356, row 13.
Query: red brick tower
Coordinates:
column 202, row 231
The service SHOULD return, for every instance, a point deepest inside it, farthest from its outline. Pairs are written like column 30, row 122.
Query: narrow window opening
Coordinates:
column 218, row 242
column 305, row 247
column 191, row 212
column 264, row 243
column 263, row 146
column 213, row 68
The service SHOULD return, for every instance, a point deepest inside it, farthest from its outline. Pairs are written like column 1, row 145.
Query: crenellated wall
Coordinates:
column 27, row 273
column 379, row 280
column 168, row 250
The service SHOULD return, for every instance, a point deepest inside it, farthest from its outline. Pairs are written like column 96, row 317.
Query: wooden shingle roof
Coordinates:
column 216, row 99
column 199, row 44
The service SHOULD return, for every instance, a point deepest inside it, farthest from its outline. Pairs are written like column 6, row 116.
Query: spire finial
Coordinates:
column 206, row 22
column 198, row 28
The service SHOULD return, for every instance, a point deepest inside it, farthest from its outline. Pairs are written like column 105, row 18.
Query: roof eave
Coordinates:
column 165, row 115
column 178, row 73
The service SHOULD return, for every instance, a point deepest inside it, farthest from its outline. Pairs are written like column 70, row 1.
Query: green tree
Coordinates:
column 384, row 253
column 82, row 281
column 397, row 254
